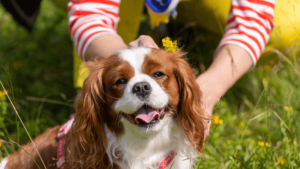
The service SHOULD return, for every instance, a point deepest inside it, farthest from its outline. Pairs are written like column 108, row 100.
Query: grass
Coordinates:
column 256, row 123
column 261, row 134
column 35, row 83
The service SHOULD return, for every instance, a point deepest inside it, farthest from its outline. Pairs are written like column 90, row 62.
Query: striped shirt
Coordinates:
column 248, row 25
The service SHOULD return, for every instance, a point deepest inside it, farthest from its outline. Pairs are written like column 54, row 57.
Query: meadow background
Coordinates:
column 256, row 123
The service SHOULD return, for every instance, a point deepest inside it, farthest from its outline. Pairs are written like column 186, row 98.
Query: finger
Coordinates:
column 154, row 45
column 149, row 40
column 148, row 44
column 136, row 42
column 133, row 43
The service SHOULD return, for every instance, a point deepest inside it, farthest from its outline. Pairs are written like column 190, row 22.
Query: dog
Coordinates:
column 139, row 109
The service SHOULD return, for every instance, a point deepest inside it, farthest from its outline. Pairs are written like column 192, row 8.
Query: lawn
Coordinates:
column 256, row 123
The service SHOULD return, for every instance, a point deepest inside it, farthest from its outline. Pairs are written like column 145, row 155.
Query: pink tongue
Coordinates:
column 146, row 114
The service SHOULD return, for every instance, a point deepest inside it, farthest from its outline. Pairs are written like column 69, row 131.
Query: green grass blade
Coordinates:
column 256, row 117
column 282, row 122
column 22, row 124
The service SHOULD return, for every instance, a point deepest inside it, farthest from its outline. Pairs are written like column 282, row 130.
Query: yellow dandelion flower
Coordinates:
column 262, row 144
column 294, row 143
column 280, row 161
column 267, row 144
column 2, row 94
column 242, row 123
column 0, row 144
column 220, row 121
column 216, row 119
column 288, row 108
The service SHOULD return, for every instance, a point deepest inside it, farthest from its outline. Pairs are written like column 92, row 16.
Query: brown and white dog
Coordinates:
column 135, row 108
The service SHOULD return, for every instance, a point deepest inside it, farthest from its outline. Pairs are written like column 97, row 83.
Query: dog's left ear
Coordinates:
column 190, row 112
column 87, row 135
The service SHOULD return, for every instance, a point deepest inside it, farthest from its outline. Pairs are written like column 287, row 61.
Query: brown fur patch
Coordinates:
column 46, row 144
column 162, row 61
column 87, row 142
column 184, row 93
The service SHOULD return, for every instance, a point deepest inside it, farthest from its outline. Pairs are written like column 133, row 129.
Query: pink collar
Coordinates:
column 164, row 163
column 60, row 149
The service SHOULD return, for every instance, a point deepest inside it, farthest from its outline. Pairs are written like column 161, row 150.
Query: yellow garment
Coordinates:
column 80, row 72
column 155, row 20
column 212, row 15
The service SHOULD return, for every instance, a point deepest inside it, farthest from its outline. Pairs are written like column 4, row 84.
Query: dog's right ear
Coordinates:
column 88, row 138
column 191, row 114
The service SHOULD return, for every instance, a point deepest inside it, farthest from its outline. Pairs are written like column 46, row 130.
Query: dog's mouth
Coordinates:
column 146, row 116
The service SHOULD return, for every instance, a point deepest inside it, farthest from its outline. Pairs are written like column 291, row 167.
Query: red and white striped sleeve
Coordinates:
column 91, row 18
column 249, row 25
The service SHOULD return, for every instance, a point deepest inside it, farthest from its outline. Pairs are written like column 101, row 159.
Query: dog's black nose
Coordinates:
column 142, row 90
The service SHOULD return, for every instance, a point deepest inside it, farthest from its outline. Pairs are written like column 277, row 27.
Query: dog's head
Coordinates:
column 136, row 89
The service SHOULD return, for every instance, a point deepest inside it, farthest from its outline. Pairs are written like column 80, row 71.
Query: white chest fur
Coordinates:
column 144, row 149
column 3, row 163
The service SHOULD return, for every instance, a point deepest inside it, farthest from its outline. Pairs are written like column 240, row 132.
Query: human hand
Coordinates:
column 143, row 40
column 230, row 63
column 209, row 99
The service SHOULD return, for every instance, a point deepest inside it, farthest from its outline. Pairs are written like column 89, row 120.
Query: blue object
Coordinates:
column 174, row 13
column 158, row 5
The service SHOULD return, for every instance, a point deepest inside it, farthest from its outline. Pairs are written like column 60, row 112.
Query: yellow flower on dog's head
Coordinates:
column 169, row 45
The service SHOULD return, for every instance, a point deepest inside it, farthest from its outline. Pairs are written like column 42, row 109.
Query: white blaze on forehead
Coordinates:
column 129, row 102
column 135, row 57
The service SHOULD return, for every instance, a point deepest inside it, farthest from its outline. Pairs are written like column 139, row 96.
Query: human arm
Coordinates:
column 92, row 26
column 107, row 49
column 104, row 46
column 230, row 63
column 247, row 32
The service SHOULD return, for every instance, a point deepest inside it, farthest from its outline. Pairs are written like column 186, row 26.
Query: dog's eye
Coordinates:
column 158, row 75
column 121, row 81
